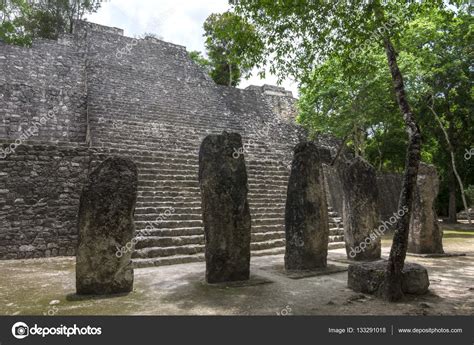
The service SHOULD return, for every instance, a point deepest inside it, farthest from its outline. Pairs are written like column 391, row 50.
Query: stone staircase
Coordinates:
column 158, row 116
column 179, row 236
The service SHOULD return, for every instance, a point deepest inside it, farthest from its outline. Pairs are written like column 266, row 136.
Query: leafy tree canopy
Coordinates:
column 232, row 46
column 22, row 20
column 12, row 20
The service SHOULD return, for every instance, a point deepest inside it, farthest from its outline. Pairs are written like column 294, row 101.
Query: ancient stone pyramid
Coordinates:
column 145, row 99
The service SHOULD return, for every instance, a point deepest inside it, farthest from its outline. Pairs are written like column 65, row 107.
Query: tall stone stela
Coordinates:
column 306, row 213
column 225, row 209
column 106, row 225
column 425, row 236
column 360, row 210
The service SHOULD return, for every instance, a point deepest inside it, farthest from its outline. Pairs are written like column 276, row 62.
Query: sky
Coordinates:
column 175, row 21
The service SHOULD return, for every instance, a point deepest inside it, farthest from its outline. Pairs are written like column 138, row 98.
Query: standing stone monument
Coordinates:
column 106, row 224
column 425, row 235
column 360, row 215
column 306, row 214
column 225, row 209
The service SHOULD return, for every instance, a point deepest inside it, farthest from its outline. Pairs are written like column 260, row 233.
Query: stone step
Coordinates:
column 279, row 209
column 168, row 188
column 168, row 198
column 159, row 184
column 336, row 239
column 336, row 245
column 271, row 239
column 183, row 202
column 266, row 252
column 157, row 241
column 258, row 231
column 267, row 221
column 112, row 136
column 151, row 252
column 155, row 246
column 169, row 166
column 170, row 174
column 267, row 228
column 266, row 236
column 176, row 188
column 163, row 153
column 153, row 194
column 176, row 203
column 172, row 232
column 269, row 244
column 253, row 167
column 153, row 128
column 170, row 224
column 255, row 202
column 181, row 259
column 253, row 183
column 167, row 260
column 158, row 219
column 167, row 210
column 336, row 231
column 162, row 184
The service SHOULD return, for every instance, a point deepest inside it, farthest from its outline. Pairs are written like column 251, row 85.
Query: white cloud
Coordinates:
column 176, row 21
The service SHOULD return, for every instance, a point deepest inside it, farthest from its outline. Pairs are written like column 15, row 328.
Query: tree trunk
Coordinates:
column 393, row 280
column 339, row 150
column 230, row 74
column 453, row 163
column 392, row 287
column 452, row 216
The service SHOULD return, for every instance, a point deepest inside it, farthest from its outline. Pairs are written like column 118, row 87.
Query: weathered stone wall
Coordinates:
column 46, row 78
column 39, row 197
column 280, row 100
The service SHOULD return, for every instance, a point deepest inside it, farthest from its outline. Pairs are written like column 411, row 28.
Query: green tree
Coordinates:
column 440, row 46
column 232, row 46
column 50, row 18
column 201, row 61
column 360, row 110
column 12, row 19
column 299, row 35
column 22, row 20
column 435, row 55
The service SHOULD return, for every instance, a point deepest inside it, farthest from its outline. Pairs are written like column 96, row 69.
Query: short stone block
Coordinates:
column 367, row 277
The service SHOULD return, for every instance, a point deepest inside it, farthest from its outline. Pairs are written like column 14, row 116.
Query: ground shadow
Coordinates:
column 74, row 297
column 233, row 295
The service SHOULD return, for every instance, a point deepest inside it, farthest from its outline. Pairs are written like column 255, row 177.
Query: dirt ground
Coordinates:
column 47, row 287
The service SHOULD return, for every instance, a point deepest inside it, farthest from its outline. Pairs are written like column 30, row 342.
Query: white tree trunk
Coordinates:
column 453, row 163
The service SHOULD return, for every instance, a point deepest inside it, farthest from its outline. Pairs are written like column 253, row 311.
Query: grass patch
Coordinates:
column 458, row 233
